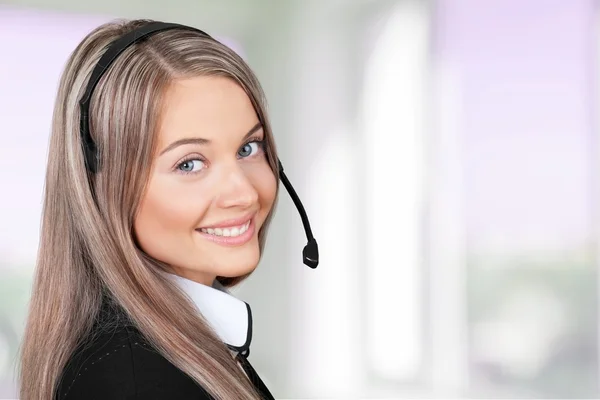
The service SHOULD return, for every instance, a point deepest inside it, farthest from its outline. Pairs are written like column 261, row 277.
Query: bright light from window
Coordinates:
column 394, row 148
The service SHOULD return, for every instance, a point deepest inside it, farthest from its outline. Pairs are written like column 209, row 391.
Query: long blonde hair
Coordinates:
column 87, row 246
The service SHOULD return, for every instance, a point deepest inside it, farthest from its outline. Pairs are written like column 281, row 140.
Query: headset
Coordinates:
column 311, row 250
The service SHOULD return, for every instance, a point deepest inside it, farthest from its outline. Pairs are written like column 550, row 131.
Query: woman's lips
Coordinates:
column 230, row 236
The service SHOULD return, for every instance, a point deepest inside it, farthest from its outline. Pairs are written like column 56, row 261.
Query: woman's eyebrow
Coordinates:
column 252, row 131
column 197, row 140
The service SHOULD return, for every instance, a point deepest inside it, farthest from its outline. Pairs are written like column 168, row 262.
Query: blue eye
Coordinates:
column 250, row 149
column 191, row 166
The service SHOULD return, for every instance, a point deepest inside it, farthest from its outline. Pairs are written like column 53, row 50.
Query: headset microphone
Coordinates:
column 311, row 250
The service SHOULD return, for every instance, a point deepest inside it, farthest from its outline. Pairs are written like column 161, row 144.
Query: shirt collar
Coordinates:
column 230, row 317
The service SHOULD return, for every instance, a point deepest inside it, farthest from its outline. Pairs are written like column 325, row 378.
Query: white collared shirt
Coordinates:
column 229, row 317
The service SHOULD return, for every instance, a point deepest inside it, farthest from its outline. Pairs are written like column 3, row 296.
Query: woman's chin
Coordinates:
column 235, row 270
column 238, row 262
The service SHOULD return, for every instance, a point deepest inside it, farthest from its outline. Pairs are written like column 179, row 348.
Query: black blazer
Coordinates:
column 116, row 363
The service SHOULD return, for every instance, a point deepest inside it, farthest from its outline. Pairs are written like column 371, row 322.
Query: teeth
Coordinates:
column 227, row 232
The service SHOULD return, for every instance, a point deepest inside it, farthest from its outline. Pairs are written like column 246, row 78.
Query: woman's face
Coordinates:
column 211, row 187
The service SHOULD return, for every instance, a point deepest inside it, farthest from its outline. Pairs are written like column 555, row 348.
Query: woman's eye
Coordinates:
column 249, row 149
column 191, row 166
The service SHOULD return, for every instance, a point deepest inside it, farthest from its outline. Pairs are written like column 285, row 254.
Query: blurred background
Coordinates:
column 447, row 154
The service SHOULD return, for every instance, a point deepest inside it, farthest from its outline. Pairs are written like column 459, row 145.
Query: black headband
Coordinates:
column 90, row 151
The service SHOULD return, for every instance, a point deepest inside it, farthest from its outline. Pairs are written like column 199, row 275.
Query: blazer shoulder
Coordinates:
column 121, row 365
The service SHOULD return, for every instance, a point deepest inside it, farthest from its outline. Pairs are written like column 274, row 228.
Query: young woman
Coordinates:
column 161, row 182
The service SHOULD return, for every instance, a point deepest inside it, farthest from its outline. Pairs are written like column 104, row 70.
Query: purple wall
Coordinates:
column 527, row 124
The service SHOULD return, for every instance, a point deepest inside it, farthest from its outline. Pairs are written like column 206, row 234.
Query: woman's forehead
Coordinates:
column 208, row 107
